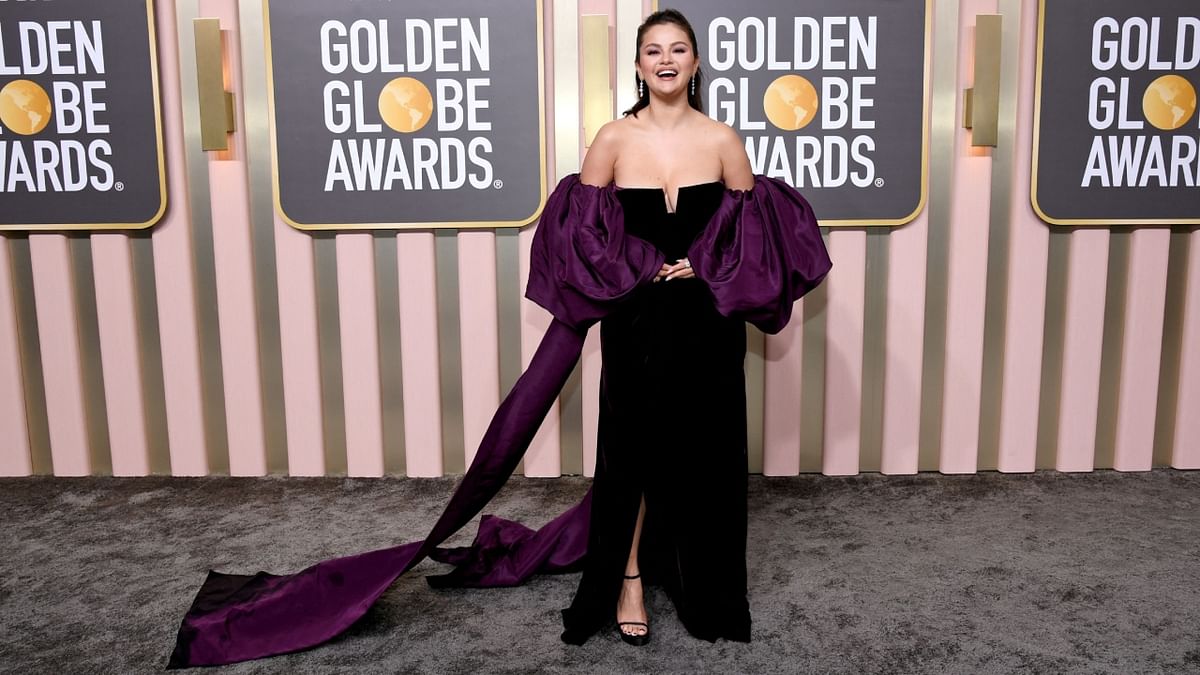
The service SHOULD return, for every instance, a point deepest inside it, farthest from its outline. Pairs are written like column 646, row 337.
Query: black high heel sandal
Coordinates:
column 635, row 640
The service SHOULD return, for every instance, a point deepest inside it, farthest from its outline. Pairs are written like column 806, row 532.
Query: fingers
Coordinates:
column 682, row 269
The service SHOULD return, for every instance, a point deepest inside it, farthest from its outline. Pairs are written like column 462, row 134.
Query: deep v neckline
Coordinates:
column 668, row 207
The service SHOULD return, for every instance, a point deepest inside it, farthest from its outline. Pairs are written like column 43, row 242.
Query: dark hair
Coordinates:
column 696, row 100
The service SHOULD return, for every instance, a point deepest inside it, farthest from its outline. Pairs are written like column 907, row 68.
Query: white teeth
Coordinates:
column 665, row 73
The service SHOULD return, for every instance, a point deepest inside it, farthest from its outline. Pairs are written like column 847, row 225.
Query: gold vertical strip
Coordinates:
column 1055, row 322
column 941, row 188
column 329, row 337
column 445, row 243
column 812, row 376
column 33, row 381
column 999, row 227
column 508, row 301
column 83, row 279
column 568, row 123
column 207, row 322
column 755, row 369
column 391, row 370
column 1172, row 346
column 1111, row 352
column 150, row 355
column 508, row 310
column 262, row 227
column 570, row 424
column 870, row 454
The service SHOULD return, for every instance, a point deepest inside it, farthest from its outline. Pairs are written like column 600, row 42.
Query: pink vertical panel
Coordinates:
column 844, row 352
column 1083, row 337
column 905, row 337
column 1185, row 452
column 360, row 354
column 174, row 272
column 479, row 334
column 416, row 259
column 58, row 333
column 544, row 457
column 234, row 264
column 1141, row 350
column 963, row 374
column 781, row 393
column 1028, row 256
column 14, row 451
column 119, row 354
column 592, row 365
column 300, row 352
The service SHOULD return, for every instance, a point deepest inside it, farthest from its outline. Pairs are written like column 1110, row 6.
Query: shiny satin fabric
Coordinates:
column 761, row 251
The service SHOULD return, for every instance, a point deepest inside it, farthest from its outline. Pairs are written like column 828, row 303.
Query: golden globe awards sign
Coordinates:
column 80, row 133
column 829, row 95
column 1117, row 137
column 415, row 114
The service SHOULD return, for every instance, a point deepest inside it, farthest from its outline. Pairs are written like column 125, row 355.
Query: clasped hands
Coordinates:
column 682, row 269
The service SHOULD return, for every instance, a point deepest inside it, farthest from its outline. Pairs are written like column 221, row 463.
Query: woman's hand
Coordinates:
column 682, row 269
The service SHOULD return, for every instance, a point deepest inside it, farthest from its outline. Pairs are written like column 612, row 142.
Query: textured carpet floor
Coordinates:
column 987, row 573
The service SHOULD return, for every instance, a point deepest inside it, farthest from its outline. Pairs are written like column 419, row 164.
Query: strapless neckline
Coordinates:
column 663, row 191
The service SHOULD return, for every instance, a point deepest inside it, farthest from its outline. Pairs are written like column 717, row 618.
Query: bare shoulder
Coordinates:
column 599, row 164
column 735, row 165
column 722, row 134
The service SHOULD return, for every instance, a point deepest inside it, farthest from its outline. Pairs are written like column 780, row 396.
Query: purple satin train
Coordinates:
column 761, row 251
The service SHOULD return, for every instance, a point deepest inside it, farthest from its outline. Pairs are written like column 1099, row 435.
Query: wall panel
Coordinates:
column 973, row 337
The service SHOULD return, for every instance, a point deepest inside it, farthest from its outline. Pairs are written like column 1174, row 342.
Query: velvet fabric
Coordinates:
column 760, row 252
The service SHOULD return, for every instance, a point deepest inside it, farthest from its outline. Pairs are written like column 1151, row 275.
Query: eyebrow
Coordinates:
column 655, row 44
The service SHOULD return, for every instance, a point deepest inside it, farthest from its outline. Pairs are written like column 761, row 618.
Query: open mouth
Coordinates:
column 667, row 74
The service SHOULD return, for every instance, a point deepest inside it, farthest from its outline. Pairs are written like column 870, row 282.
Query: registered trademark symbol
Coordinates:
column 878, row 182
column 119, row 186
column 498, row 184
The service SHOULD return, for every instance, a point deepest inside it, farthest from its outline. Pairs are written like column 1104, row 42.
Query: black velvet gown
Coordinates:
column 672, row 427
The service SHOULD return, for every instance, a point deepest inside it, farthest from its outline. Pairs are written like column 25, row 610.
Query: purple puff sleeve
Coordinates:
column 760, row 252
column 581, row 262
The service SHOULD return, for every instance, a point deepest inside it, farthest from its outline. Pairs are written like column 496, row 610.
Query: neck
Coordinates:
column 668, row 114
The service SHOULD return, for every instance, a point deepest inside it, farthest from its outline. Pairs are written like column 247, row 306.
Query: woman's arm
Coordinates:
column 735, row 165
column 599, row 164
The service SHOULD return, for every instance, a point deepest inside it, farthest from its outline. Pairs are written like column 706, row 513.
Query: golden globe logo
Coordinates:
column 1168, row 103
column 363, row 156
column 792, row 102
column 70, row 54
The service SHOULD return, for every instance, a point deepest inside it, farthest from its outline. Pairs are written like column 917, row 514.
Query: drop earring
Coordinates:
column 641, row 87
column 693, row 85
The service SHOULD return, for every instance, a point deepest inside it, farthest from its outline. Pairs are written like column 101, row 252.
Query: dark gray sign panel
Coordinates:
column 830, row 96
column 1117, row 134
column 80, row 131
column 415, row 114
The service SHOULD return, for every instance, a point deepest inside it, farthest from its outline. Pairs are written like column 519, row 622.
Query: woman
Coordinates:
column 669, row 357
column 674, row 262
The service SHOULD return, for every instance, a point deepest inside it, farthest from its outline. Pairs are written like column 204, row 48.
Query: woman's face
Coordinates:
column 666, row 60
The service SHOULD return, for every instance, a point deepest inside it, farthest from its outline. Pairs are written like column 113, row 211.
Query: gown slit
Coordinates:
column 672, row 428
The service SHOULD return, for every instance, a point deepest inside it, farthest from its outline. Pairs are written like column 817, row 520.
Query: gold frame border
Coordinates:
column 459, row 225
column 1033, row 173
column 926, row 86
column 162, row 165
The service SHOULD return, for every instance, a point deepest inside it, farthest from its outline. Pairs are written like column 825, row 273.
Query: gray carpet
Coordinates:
column 987, row 573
